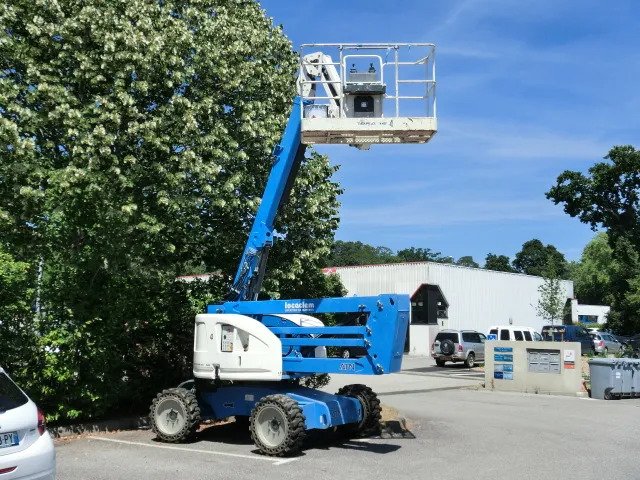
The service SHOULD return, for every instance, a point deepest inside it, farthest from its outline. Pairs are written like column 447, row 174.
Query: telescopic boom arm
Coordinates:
column 287, row 158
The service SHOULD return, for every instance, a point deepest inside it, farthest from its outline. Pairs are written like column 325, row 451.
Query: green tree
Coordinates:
column 467, row 261
column 534, row 257
column 344, row 253
column 552, row 300
column 592, row 275
column 625, row 280
column 499, row 263
column 136, row 139
column 18, row 323
column 414, row 254
column 609, row 197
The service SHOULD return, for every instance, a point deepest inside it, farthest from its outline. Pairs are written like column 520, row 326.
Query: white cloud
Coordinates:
column 520, row 141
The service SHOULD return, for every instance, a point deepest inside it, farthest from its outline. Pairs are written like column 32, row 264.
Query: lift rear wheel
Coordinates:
column 175, row 415
column 371, row 410
column 277, row 425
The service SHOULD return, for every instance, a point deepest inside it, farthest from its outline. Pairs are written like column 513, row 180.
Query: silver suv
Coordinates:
column 458, row 346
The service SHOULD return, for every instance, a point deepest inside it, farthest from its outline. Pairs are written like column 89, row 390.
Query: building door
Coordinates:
column 428, row 306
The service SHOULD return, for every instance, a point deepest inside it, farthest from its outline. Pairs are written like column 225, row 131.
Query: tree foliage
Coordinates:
column 625, row 288
column 344, row 253
column 535, row 257
column 17, row 324
column 136, row 139
column 499, row 263
column 552, row 300
column 608, row 197
column 414, row 254
column 593, row 274
column 467, row 261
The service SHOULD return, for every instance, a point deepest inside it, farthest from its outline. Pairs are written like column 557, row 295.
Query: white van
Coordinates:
column 510, row 332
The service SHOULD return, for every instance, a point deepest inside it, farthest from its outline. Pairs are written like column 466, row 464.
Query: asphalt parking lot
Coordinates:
column 460, row 431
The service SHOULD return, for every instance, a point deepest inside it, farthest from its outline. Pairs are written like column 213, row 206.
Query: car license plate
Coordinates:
column 9, row 439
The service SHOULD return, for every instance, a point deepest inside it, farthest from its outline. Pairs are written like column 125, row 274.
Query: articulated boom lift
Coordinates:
column 249, row 354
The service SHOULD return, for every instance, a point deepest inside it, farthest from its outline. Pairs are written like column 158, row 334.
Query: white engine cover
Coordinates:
column 300, row 319
column 230, row 346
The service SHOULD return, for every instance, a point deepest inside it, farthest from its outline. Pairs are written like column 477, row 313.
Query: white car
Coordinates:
column 509, row 332
column 26, row 448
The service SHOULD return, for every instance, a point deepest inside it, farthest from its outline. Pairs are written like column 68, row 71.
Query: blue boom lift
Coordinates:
column 249, row 354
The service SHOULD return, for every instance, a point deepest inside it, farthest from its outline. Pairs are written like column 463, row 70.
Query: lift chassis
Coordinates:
column 249, row 354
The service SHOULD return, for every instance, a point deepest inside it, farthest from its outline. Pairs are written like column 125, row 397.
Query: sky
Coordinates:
column 525, row 88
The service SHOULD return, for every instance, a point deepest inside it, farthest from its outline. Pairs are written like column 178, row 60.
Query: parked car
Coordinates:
column 629, row 341
column 510, row 332
column 606, row 343
column 345, row 352
column 569, row 333
column 632, row 346
column 26, row 448
column 352, row 352
column 458, row 346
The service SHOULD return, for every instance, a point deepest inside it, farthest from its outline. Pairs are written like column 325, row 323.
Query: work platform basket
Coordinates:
column 371, row 93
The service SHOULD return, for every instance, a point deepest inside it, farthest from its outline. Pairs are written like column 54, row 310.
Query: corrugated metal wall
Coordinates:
column 477, row 298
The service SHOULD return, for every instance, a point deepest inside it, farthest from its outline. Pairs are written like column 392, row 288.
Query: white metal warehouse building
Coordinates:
column 451, row 296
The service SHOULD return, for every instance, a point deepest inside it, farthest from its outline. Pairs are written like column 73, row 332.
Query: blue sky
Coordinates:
column 526, row 89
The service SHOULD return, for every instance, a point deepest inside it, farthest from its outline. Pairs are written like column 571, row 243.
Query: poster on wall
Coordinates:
column 569, row 359
column 503, row 370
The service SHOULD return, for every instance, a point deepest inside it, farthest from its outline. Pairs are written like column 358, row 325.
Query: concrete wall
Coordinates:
column 421, row 337
column 507, row 367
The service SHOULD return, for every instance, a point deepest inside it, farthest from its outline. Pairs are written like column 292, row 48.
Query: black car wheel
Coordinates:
column 471, row 361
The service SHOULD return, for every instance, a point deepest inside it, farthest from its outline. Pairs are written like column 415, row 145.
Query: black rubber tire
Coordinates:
column 191, row 408
column 440, row 363
column 470, row 362
column 447, row 347
column 372, row 411
column 295, row 433
column 607, row 394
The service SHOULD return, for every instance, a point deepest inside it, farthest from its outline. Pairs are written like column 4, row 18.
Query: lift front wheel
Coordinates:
column 277, row 425
column 175, row 415
column 371, row 410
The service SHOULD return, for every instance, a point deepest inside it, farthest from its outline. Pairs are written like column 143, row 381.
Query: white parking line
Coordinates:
column 273, row 461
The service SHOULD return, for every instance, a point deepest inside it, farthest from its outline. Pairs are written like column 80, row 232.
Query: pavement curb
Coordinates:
column 125, row 423
column 393, row 428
